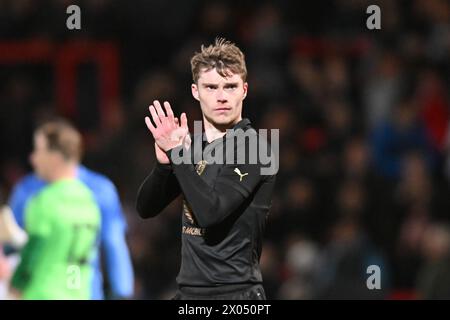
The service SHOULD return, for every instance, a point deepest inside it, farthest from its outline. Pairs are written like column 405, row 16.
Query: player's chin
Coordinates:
column 222, row 120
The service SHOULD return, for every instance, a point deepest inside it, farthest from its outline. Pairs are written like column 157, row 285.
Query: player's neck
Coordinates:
column 65, row 172
column 214, row 131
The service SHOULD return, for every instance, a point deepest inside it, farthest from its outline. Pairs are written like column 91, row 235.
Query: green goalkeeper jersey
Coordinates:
column 62, row 222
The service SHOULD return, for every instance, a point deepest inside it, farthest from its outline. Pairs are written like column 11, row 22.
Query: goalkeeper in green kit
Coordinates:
column 62, row 222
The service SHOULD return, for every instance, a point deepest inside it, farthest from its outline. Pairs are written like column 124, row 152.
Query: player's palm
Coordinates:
column 167, row 132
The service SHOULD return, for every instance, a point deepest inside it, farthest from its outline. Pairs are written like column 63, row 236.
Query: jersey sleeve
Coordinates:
column 38, row 224
column 37, row 217
column 158, row 190
column 234, row 184
column 21, row 194
column 17, row 203
column 113, row 243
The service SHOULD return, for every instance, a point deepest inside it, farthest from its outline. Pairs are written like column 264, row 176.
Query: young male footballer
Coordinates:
column 219, row 173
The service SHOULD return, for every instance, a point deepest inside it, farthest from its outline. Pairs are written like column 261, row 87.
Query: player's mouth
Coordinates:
column 222, row 109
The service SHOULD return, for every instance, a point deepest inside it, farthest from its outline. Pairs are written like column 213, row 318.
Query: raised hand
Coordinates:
column 166, row 130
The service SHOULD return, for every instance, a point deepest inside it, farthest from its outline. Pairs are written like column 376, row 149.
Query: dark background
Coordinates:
column 363, row 118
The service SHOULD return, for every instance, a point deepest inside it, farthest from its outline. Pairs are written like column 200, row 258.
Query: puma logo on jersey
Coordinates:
column 241, row 175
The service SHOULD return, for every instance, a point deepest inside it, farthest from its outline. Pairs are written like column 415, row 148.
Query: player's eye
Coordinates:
column 211, row 87
column 231, row 87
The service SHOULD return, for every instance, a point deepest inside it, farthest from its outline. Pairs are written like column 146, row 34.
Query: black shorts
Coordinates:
column 228, row 292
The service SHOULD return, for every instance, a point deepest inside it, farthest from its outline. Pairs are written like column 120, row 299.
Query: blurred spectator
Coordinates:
column 302, row 263
column 434, row 107
column 346, row 258
column 434, row 278
column 393, row 139
column 383, row 87
column 409, row 219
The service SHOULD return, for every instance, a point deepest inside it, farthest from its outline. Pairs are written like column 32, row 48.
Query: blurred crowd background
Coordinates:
column 363, row 118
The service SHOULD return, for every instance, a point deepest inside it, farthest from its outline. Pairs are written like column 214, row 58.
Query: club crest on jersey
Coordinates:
column 200, row 166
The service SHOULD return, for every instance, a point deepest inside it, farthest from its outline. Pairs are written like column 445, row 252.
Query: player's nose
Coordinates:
column 221, row 95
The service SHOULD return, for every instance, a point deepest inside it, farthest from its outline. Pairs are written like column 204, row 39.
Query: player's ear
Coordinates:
column 245, row 89
column 194, row 89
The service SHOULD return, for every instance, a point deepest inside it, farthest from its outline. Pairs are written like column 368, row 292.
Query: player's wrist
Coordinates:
column 163, row 167
column 175, row 152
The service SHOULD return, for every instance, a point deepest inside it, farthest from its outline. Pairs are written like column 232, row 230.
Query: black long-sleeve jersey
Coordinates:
column 225, row 208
